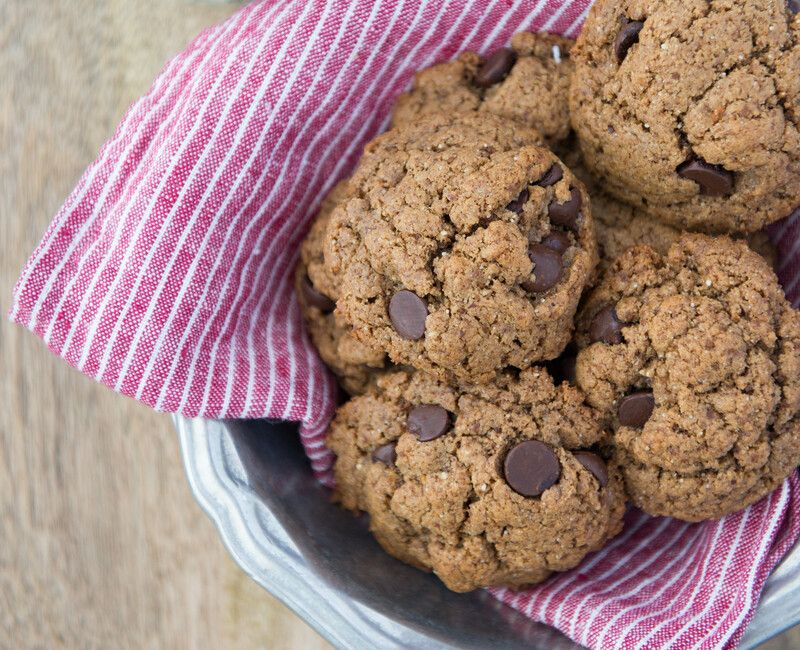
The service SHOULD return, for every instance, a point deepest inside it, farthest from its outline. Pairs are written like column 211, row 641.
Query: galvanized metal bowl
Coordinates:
column 254, row 481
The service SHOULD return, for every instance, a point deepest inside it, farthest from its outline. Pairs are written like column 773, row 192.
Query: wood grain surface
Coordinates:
column 101, row 543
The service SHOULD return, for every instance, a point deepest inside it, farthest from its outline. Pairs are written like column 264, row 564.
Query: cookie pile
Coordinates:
column 546, row 291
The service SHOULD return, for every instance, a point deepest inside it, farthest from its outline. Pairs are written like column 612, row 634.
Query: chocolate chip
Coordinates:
column 546, row 268
column 531, row 467
column 558, row 241
column 566, row 214
column 408, row 312
column 386, row 454
column 636, row 409
column 428, row 421
column 516, row 204
column 551, row 176
column 594, row 464
column 794, row 6
column 315, row 298
column 496, row 67
column 606, row 327
column 627, row 36
column 714, row 180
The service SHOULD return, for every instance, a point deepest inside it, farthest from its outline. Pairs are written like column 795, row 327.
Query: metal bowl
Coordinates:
column 254, row 481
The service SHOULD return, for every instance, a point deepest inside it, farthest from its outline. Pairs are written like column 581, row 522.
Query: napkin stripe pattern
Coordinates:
column 669, row 584
column 167, row 275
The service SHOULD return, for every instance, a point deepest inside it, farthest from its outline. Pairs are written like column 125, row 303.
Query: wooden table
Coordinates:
column 101, row 543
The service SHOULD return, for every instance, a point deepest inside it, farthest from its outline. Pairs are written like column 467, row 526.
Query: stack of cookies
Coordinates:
column 545, row 290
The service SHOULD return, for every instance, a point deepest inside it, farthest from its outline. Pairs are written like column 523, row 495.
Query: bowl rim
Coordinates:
column 261, row 546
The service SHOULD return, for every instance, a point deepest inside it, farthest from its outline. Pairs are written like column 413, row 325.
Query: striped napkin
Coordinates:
column 167, row 275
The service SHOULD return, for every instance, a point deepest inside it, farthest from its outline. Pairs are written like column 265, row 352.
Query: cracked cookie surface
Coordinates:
column 620, row 227
column 464, row 248
column 529, row 84
column 434, row 466
column 353, row 362
column 690, row 110
column 694, row 359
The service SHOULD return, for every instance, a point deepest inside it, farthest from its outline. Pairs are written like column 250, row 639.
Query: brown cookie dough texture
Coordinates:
column 464, row 248
column 694, row 358
column 444, row 504
column 351, row 360
column 689, row 110
column 528, row 82
column 620, row 227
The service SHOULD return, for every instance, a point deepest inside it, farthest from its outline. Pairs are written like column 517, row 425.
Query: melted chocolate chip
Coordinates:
column 316, row 298
column 714, row 180
column 408, row 312
column 495, row 68
column 558, row 241
column 531, row 467
column 594, row 464
column 635, row 409
column 551, row 176
column 516, row 204
column 566, row 214
column 606, row 327
column 428, row 421
column 547, row 268
column 386, row 454
column 627, row 36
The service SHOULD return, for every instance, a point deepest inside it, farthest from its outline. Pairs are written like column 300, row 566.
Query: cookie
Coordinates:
column 528, row 82
column 760, row 243
column 352, row 361
column 689, row 111
column 483, row 485
column 694, row 360
column 620, row 227
column 464, row 249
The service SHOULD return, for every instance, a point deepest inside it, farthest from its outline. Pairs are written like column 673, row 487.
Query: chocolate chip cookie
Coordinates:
column 351, row 360
column 464, row 248
column 620, row 227
column 690, row 111
column 528, row 82
column 694, row 358
column 483, row 485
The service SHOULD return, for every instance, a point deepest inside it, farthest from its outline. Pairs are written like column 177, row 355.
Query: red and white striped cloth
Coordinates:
column 167, row 275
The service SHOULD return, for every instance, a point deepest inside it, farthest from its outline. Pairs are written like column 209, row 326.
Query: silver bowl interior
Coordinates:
column 254, row 481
